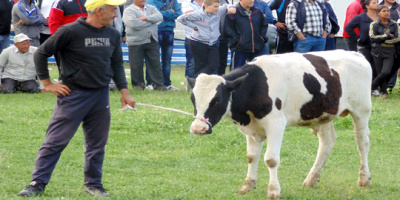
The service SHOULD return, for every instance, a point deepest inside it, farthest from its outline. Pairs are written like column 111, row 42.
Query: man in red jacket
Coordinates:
column 353, row 10
column 64, row 12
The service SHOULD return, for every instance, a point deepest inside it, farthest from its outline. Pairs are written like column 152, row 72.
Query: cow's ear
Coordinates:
column 233, row 85
column 191, row 81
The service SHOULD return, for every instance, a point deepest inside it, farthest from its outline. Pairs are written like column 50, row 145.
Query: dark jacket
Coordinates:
column 332, row 18
column 379, row 36
column 5, row 16
column 244, row 33
column 89, row 56
column 362, row 22
column 394, row 15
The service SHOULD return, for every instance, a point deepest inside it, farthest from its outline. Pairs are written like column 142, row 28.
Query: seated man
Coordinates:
column 17, row 67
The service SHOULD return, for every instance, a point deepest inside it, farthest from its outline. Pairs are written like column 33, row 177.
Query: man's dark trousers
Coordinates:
column 92, row 108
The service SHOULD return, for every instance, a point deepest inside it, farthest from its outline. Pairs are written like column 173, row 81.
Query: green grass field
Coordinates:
column 152, row 155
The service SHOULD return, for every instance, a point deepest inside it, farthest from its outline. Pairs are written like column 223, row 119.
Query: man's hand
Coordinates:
column 324, row 34
column 301, row 36
column 56, row 88
column 232, row 10
column 124, row 39
column 144, row 18
column 21, row 22
column 126, row 98
column 280, row 25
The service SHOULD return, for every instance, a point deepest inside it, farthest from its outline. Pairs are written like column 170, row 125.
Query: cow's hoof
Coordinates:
column 363, row 184
column 274, row 196
column 311, row 180
column 274, row 192
column 247, row 186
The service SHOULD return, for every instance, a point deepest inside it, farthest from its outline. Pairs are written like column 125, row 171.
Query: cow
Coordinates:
column 273, row 92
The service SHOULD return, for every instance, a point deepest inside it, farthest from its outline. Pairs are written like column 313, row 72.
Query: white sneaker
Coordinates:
column 149, row 87
column 376, row 93
column 173, row 88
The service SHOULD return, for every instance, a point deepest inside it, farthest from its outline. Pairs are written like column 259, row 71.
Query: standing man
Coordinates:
column 45, row 7
column 284, row 45
column 28, row 19
column 353, row 10
column 142, row 38
column 308, row 21
column 246, row 31
column 5, row 23
column 16, row 62
column 170, row 10
column 90, row 55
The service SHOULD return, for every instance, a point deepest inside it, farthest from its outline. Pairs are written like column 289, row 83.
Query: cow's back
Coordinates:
column 307, row 89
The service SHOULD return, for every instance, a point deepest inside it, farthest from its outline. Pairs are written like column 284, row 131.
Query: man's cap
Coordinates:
column 93, row 4
column 20, row 38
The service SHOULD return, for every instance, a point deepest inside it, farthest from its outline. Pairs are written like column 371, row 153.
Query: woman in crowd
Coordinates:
column 362, row 22
column 384, row 34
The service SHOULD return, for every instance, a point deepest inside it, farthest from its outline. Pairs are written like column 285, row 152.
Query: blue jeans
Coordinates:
column 166, row 43
column 240, row 58
column 189, row 70
column 311, row 43
column 4, row 42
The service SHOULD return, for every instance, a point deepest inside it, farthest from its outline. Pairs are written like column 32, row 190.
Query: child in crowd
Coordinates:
column 204, row 38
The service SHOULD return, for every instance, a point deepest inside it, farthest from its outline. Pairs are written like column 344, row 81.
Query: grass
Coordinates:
column 151, row 154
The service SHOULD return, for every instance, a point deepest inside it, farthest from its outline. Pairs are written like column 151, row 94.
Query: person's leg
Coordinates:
column 30, row 86
column 4, row 42
column 152, row 58
column 189, row 70
column 319, row 44
column 212, row 60
column 43, row 38
column 96, row 126
column 378, row 61
column 330, row 43
column 304, row 46
column 239, row 59
column 223, row 56
column 8, row 85
column 200, row 53
column 366, row 52
column 67, row 116
column 385, row 72
column 136, row 56
column 351, row 44
column 167, row 48
column 284, row 45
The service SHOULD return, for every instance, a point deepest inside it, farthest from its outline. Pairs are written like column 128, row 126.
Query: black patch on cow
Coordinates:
column 278, row 103
column 218, row 105
column 252, row 95
column 320, row 103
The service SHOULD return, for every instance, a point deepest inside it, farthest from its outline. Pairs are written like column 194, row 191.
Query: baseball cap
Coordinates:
column 20, row 38
column 92, row 4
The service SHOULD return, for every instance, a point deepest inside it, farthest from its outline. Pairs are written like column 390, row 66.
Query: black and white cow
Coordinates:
column 277, row 91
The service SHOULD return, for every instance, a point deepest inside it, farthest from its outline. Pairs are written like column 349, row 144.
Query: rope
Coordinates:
column 164, row 108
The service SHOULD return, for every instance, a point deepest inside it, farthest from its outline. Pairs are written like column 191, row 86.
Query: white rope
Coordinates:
column 153, row 106
column 128, row 107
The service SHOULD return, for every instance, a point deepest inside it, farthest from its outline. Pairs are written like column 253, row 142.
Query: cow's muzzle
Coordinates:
column 201, row 126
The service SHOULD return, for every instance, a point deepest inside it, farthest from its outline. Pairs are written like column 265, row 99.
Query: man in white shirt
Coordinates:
column 17, row 66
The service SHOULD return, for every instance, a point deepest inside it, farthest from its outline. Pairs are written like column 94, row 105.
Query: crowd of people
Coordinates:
column 85, row 38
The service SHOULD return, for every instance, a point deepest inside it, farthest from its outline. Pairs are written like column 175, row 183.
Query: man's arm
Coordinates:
column 291, row 15
column 130, row 20
column 56, row 18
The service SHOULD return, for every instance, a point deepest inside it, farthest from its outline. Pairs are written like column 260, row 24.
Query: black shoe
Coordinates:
column 33, row 189
column 96, row 191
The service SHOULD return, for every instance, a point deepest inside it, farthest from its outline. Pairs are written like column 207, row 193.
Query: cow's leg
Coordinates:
column 272, row 157
column 327, row 137
column 361, row 135
column 254, row 148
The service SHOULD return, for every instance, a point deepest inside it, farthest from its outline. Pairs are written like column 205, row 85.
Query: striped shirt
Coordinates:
column 313, row 23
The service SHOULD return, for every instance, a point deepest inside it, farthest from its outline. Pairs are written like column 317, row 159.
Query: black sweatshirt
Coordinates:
column 89, row 56
column 5, row 16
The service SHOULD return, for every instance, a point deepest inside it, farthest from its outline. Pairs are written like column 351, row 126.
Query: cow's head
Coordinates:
column 211, row 96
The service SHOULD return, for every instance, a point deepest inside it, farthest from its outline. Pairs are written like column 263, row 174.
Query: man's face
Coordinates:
column 108, row 15
column 23, row 46
column 391, row 2
column 212, row 9
column 247, row 4
column 140, row 3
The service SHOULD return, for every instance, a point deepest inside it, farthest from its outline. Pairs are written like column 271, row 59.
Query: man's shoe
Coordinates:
column 149, row 87
column 384, row 96
column 33, row 189
column 389, row 90
column 376, row 93
column 173, row 88
column 96, row 191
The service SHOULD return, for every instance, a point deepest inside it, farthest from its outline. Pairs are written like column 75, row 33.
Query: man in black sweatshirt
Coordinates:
column 90, row 53
column 5, row 23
